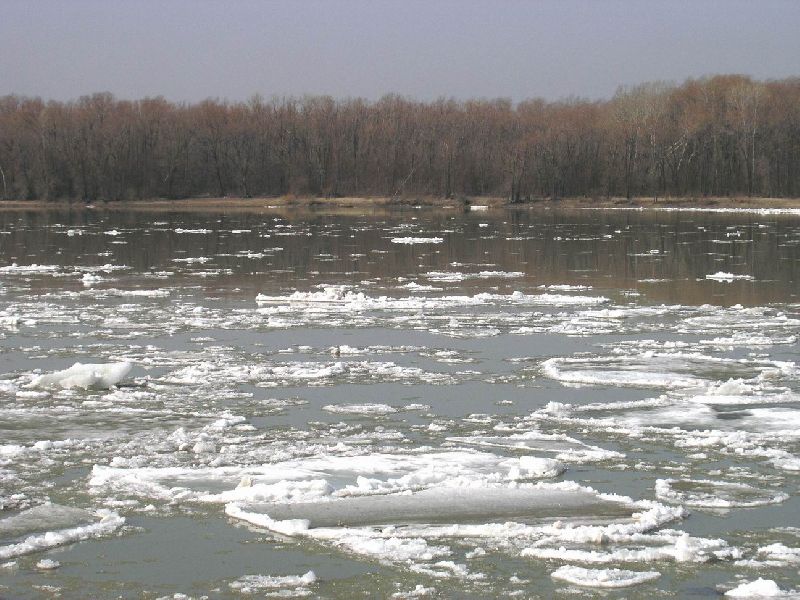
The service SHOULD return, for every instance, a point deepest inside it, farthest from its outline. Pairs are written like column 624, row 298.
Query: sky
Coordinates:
column 189, row 50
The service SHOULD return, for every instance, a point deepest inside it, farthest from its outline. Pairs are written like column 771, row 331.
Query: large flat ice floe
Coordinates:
column 412, row 507
column 450, row 506
column 79, row 375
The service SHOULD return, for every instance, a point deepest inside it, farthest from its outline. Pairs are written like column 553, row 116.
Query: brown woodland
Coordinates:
column 725, row 135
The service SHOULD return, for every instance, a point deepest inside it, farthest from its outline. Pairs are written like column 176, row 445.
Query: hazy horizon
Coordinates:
column 190, row 51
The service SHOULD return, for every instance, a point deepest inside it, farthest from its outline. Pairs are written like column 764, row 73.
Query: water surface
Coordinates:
column 407, row 402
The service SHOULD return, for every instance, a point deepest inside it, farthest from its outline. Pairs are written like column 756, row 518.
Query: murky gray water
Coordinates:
column 412, row 403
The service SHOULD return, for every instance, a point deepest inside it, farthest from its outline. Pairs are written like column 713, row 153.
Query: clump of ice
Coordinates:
column 47, row 564
column 99, row 376
column 603, row 578
column 286, row 527
column 774, row 555
column 34, row 268
column 454, row 276
column 417, row 240
column 760, row 588
column 392, row 548
column 728, row 277
column 535, row 466
column 89, row 279
column 564, row 287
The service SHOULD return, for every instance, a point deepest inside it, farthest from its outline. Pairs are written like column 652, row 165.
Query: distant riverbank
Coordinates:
column 358, row 204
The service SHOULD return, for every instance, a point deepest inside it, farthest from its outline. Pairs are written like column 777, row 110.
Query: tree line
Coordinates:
column 718, row 136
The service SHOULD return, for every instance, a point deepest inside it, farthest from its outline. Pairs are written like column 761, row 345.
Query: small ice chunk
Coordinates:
column 47, row 564
column 87, row 376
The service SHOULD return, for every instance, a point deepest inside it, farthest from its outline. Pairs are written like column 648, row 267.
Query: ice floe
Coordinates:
column 50, row 525
column 715, row 494
column 410, row 240
column 760, row 588
column 453, row 276
column 603, row 578
column 85, row 376
column 253, row 584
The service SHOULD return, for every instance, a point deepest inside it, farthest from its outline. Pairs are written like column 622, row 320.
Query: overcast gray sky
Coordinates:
column 194, row 49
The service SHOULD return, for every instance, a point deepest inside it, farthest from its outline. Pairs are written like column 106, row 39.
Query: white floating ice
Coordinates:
column 454, row 276
column 564, row 447
column 728, row 277
column 34, row 268
column 101, row 376
column 360, row 409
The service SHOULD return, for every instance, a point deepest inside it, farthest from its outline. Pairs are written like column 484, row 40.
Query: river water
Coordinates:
column 406, row 403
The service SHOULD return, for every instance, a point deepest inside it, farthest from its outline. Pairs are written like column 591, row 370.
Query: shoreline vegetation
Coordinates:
column 368, row 204
column 725, row 136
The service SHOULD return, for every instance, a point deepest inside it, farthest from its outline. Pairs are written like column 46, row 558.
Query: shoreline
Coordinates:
column 369, row 204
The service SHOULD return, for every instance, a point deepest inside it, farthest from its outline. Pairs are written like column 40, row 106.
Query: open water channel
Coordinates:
column 408, row 403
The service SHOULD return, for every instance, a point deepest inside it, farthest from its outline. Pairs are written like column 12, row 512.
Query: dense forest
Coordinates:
column 718, row 136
